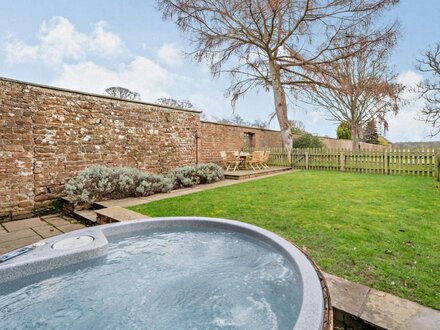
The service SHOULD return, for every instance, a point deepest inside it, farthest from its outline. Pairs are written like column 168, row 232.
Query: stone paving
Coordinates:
column 382, row 309
column 16, row 234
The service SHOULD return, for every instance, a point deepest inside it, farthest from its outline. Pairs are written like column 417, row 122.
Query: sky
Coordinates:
column 91, row 45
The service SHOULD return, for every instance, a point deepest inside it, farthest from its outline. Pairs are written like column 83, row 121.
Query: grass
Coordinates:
column 381, row 231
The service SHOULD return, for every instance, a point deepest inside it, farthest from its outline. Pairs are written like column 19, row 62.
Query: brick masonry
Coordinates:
column 216, row 137
column 49, row 134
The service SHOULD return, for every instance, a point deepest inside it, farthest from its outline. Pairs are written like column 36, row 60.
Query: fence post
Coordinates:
column 342, row 161
column 291, row 158
column 438, row 169
column 385, row 161
column 307, row 160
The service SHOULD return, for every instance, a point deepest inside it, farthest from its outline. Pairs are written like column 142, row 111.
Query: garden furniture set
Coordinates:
column 234, row 160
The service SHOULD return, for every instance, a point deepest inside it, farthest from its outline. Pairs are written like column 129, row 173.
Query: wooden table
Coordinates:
column 244, row 158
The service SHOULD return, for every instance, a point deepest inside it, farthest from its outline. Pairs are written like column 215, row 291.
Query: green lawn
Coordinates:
column 382, row 231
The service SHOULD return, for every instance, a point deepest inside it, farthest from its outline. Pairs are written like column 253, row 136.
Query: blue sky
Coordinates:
column 90, row 45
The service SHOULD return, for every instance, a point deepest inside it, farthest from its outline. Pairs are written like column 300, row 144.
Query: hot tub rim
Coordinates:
column 313, row 298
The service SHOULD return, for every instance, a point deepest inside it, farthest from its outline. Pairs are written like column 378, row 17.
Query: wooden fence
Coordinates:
column 415, row 162
column 277, row 157
column 438, row 171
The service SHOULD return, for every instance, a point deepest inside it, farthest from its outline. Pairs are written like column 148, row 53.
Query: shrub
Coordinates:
column 184, row 176
column 209, row 173
column 99, row 182
column 307, row 140
column 188, row 176
column 343, row 131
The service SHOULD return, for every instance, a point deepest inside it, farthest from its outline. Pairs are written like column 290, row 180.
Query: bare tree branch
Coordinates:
column 283, row 45
column 360, row 89
column 429, row 88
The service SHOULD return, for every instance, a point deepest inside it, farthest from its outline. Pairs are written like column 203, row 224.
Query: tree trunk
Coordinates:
column 354, row 137
column 279, row 97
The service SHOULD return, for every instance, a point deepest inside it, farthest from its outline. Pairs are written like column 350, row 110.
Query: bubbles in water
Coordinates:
column 164, row 280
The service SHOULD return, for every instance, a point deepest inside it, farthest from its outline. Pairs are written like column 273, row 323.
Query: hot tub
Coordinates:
column 162, row 273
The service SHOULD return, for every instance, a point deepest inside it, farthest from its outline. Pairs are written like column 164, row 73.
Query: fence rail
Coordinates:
column 415, row 162
column 424, row 162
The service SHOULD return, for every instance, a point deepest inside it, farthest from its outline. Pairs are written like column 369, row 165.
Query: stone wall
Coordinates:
column 49, row 134
column 346, row 144
column 215, row 137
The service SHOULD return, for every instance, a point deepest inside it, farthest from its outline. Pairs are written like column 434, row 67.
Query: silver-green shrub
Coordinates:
column 208, row 173
column 99, row 182
column 188, row 176
column 184, row 176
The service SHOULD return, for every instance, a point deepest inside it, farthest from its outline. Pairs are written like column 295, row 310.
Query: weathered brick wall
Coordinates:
column 47, row 135
column 16, row 151
column 216, row 137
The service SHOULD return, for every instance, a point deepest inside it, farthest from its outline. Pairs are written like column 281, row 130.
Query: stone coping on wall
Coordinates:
column 239, row 126
column 54, row 88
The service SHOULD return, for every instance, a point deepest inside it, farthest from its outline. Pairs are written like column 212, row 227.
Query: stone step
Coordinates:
column 248, row 174
column 117, row 214
column 87, row 217
column 381, row 309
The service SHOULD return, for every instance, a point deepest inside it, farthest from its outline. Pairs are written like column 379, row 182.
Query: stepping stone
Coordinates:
column 57, row 222
column 86, row 216
column 380, row 308
column 47, row 231
column 16, row 235
column 71, row 227
column 117, row 214
column 23, row 224
column 346, row 296
column 46, row 217
column 391, row 312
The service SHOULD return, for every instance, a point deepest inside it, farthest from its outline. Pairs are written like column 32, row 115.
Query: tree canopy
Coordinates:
column 276, row 44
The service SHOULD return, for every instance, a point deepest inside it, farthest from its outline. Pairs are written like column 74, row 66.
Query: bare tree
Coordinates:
column 122, row 93
column 274, row 44
column 430, row 87
column 238, row 120
column 184, row 104
column 360, row 89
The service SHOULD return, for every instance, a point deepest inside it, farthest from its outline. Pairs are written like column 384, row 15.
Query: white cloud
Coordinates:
column 405, row 126
column 17, row 51
column 58, row 40
column 141, row 75
column 170, row 54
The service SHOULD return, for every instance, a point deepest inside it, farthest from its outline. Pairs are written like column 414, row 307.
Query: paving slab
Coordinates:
column 347, row 296
column 18, row 243
column 88, row 215
column 23, row 224
column 16, row 235
column 45, row 217
column 57, row 221
column 46, row 231
column 117, row 214
column 45, row 226
column 391, row 312
column 2, row 230
column 70, row 227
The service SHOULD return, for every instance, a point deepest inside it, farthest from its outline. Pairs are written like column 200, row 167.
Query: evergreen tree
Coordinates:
column 370, row 133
